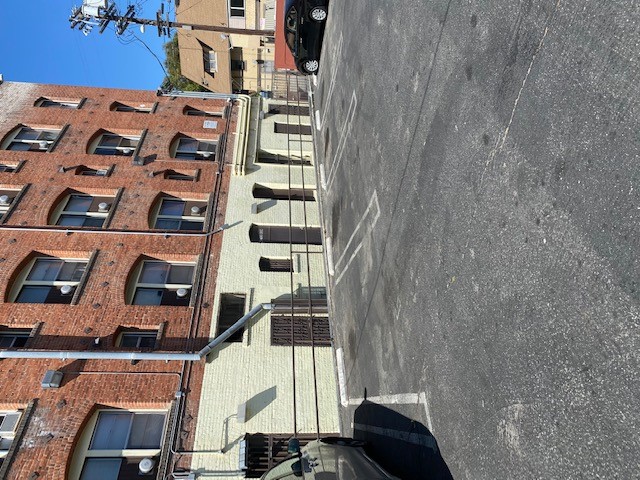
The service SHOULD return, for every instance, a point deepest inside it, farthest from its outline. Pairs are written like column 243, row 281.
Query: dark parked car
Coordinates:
column 330, row 458
column 304, row 23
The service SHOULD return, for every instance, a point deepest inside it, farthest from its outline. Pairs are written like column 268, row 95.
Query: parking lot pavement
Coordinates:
column 482, row 197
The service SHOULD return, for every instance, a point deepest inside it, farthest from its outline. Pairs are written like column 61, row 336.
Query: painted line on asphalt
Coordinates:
column 342, row 382
column 362, row 230
column 329, row 246
column 346, row 129
column 427, row 441
column 399, row 399
column 323, row 178
column 332, row 83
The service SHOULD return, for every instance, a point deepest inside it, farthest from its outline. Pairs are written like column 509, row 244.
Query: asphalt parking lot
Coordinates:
column 481, row 193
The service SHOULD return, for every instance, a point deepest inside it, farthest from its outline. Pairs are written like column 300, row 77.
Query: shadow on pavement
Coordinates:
column 404, row 447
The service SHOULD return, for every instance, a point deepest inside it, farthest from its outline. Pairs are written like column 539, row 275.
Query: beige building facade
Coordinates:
column 248, row 386
column 227, row 62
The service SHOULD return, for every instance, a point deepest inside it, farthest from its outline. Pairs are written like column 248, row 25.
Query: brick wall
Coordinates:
column 60, row 414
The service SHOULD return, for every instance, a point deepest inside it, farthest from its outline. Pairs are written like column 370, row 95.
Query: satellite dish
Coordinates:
column 141, row 28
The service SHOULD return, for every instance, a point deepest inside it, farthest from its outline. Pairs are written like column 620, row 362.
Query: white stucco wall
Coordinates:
column 254, row 371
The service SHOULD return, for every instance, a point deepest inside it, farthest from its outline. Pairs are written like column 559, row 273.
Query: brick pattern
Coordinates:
column 52, row 431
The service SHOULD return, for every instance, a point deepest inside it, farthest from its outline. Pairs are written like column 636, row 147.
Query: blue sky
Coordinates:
column 39, row 46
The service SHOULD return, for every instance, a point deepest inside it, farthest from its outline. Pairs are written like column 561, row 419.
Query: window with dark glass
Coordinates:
column 58, row 103
column 120, row 442
column 178, row 214
column 292, row 128
column 8, row 425
column 231, row 310
column 188, row 148
column 14, row 337
column 276, row 159
column 33, row 139
column 129, row 107
column 114, row 144
column 51, row 280
column 82, row 210
column 93, row 172
column 138, row 338
column 275, row 264
column 163, row 283
column 284, row 234
column 7, row 197
column 294, row 193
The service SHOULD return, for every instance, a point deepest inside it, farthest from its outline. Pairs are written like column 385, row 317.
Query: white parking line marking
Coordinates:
column 332, row 83
column 410, row 437
column 342, row 382
column 373, row 210
column 329, row 247
column 398, row 399
column 323, row 178
column 346, row 128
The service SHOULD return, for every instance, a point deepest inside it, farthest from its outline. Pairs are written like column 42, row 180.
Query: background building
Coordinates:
column 118, row 208
column 226, row 63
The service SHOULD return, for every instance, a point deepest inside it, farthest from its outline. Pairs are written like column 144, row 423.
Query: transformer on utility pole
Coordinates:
column 99, row 13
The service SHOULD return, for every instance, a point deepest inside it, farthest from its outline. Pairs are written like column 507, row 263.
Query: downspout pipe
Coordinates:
column 166, row 357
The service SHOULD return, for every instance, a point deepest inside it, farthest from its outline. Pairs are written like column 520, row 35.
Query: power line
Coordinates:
column 99, row 13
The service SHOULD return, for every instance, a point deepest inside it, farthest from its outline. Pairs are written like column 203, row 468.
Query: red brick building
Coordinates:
column 106, row 200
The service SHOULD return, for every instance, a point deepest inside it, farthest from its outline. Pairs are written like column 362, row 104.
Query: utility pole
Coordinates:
column 99, row 13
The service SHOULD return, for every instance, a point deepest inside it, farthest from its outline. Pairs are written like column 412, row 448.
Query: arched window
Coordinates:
column 25, row 138
column 157, row 282
column 82, row 210
column 118, row 444
column 190, row 148
column 113, row 143
column 173, row 213
column 49, row 279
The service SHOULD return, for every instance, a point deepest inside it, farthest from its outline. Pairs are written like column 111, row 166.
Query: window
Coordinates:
column 188, row 148
column 7, row 197
column 281, row 331
column 120, row 441
column 8, row 426
column 32, row 139
column 138, row 339
column 210, row 61
column 291, row 128
column 58, row 103
column 275, row 264
column 201, row 113
column 114, row 144
column 93, row 172
column 163, row 283
column 14, row 337
column 238, row 65
column 51, row 280
column 140, row 108
column 265, row 451
column 178, row 214
column 236, row 8
column 276, row 159
column 176, row 175
column 81, row 210
column 280, row 234
column 286, row 109
column 9, row 168
column 295, row 194
column 231, row 310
